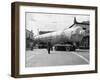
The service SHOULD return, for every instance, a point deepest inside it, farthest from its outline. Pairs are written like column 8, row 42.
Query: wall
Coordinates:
column 5, row 40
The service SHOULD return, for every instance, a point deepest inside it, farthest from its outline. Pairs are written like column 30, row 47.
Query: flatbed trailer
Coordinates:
column 64, row 47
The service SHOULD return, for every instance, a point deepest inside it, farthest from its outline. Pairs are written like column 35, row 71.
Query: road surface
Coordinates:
column 40, row 57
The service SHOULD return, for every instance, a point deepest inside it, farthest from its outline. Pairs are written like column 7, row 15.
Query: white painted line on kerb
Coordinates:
column 81, row 57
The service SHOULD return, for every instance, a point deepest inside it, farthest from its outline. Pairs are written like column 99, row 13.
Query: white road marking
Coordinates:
column 81, row 57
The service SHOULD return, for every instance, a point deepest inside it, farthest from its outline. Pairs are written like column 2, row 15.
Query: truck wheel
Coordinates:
column 67, row 48
column 73, row 48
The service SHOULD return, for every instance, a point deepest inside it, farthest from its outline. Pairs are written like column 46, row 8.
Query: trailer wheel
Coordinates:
column 73, row 48
column 68, row 48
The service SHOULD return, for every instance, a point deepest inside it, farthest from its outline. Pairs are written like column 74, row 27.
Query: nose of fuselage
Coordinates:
column 77, row 34
column 82, row 32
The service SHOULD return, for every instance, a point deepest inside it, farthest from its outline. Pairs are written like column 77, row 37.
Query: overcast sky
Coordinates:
column 51, row 22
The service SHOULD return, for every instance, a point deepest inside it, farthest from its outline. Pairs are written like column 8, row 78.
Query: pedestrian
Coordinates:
column 49, row 47
column 32, row 46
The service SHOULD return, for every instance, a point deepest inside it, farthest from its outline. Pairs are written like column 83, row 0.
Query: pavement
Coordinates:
column 40, row 57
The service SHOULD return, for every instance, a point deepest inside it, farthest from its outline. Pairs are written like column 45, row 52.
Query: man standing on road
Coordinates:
column 49, row 46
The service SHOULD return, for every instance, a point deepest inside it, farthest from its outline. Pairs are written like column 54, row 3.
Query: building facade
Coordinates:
column 29, row 39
